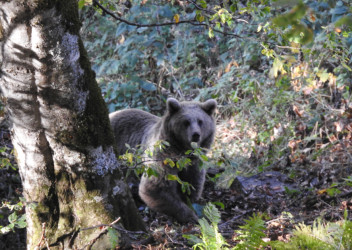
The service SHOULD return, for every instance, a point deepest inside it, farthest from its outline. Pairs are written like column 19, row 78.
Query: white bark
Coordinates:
column 60, row 131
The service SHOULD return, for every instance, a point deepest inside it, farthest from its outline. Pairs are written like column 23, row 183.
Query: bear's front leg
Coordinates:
column 196, row 178
column 163, row 196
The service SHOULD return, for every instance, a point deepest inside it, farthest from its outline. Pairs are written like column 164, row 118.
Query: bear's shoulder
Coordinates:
column 132, row 116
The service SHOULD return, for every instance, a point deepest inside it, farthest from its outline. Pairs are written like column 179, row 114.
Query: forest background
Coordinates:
column 281, row 74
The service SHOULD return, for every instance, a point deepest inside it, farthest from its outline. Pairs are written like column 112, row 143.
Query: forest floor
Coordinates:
column 283, row 211
column 262, row 193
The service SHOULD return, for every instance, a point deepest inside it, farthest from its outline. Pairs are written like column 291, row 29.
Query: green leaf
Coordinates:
column 220, row 204
column 12, row 217
column 114, row 237
column 183, row 162
column 81, row 4
column 233, row 7
column 5, row 230
column 21, row 222
column 323, row 76
column 346, row 66
column 212, row 213
column 151, row 172
column 223, row 17
column 204, row 157
column 200, row 18
column 172, row 177
column 202, row 3
column 211, row 32
column 169, row 162
column 189, row 152
column 193, row 239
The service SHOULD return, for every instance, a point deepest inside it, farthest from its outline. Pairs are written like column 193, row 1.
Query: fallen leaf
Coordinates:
column 297, row 111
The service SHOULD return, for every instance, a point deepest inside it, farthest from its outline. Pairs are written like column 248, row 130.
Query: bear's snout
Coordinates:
column 195, row 137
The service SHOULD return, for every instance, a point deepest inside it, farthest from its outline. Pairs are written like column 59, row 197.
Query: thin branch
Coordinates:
column 139, row 25
column 43, row 239
column 200, row 8
column 102, row 225
column 232, row 220
column 88, row 246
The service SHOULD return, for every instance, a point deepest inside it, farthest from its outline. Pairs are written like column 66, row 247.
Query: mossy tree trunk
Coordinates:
column 60, row 127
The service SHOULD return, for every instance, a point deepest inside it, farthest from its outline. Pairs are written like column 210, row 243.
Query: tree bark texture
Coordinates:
column 60, row 127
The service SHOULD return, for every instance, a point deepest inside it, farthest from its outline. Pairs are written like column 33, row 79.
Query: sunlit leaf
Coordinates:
column 211, row 32
column 177, row 18
column 172, row 177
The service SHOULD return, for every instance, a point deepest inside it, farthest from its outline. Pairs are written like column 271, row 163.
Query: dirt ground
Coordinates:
column 263, row 193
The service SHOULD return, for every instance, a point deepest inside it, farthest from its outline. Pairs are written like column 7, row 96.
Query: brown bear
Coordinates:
column 184, row 123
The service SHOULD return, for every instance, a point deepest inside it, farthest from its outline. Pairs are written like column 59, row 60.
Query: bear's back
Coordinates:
column 132, row 127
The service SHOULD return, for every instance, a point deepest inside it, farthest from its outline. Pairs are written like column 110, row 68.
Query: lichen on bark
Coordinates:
column 61, row 130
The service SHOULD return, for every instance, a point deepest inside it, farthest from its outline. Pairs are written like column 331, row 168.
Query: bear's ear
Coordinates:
column 209, row 106
column 173, row 105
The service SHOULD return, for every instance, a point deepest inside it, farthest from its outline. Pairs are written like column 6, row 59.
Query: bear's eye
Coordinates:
column 186, row 123
column 200, row 123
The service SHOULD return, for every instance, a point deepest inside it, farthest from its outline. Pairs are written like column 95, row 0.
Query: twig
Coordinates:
column 128, row 231
column 100, row 234
column 200, row 8
column 102, row 225
column 42, row 238
column 232, row 220
column 139, row 25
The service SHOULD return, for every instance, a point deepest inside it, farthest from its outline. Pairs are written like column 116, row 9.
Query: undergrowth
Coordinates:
column 280, row 73
column 210, row 237
column 320, row 235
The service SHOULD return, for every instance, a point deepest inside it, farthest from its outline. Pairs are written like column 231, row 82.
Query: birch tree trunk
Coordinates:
column 60, row 127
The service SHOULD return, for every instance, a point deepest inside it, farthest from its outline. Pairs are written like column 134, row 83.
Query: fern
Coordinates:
column 346, row 240
column 320, row 235
column 210, row 237
column 250, row 235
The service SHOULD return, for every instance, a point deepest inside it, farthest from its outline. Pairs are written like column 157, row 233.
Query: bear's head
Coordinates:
column 187, row 122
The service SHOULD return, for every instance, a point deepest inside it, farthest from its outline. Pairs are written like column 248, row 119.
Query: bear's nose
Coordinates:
column 195, row 137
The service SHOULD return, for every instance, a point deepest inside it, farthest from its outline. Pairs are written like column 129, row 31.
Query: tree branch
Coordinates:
column 88, row 246
column 139, row 25
column 200, row 8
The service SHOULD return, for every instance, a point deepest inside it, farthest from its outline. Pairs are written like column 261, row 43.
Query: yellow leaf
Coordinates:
column 322, row 191
column 201, row 19
column 129, row 157
column 295, row 47
column 177, row 18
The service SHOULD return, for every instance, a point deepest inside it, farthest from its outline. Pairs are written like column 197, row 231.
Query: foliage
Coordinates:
column 17, row 219
column 113, row 235
column 13, row 211
column 250, row 234
column 210, row 237
column 320, row 235
column 304, row 48
column 140, row 160
column 5, row 162
column 280, row 71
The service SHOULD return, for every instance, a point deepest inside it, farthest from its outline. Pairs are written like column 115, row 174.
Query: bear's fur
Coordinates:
column 182, row 124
